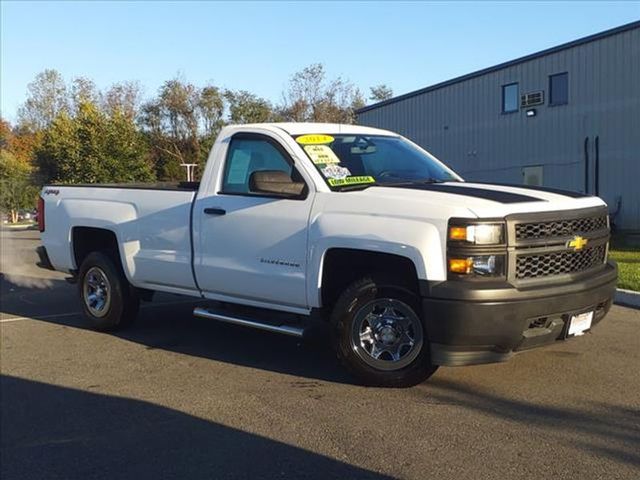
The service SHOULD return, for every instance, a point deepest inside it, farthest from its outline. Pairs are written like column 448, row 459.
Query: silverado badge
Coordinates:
column 577, row 243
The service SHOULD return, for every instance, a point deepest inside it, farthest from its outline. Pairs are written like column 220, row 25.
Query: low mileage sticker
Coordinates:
column 338, row 182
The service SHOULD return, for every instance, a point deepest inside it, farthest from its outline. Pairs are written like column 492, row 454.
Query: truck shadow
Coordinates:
column 168, row 324
column 50, row 431
column 604, row 430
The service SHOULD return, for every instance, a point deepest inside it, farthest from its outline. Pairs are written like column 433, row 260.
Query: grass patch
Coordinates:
column 628, row 268
column 626, row 256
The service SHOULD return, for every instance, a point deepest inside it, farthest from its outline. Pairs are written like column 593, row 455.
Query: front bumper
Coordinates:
column 472, row 323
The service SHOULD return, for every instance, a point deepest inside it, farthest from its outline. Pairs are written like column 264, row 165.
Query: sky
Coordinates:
column 257, row 46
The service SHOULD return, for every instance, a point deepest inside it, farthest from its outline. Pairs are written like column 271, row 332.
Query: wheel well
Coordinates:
column 87, row 239
column 342, row 266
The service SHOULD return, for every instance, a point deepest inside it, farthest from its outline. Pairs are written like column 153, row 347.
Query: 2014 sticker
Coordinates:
column 315, row 139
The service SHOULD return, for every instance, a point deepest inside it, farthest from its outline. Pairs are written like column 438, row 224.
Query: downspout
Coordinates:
column 597, row 167
column 586, row 164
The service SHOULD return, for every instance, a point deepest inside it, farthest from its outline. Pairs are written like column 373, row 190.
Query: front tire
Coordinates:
column 108, row 300
column 380, row 337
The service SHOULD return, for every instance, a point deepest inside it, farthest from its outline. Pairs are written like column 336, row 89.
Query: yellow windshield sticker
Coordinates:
column 321, row 154
column 314, row 139
column 338, row 182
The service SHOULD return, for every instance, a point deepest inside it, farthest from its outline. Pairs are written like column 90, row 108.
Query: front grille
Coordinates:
column 557, row 263
column 560, row 228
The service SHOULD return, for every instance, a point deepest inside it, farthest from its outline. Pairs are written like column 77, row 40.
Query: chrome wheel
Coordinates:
column 387, row 334
column 96, row 292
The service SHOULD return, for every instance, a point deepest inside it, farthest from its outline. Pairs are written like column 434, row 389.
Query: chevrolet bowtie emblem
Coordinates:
column 577, row 243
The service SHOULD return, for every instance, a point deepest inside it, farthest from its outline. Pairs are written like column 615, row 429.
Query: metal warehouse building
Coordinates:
column 567, row 117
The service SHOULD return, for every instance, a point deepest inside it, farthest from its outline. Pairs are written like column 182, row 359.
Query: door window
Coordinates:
column 248, row 155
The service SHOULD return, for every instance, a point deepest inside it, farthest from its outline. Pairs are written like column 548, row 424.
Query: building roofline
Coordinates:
column 510, row 63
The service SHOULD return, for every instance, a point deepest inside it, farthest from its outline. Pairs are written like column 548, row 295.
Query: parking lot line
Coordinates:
column 38, row 317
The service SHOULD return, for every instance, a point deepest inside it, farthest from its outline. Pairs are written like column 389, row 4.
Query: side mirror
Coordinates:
column 275, row 182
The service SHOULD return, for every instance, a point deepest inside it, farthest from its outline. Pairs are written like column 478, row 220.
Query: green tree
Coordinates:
column 16, row 190
column 380, row 93
column 20, row 142
column 245, row 107
column 311, row 97
column 211, row 106
column 47, row 97
column 165, row 156
column 123, row 98
column 83, row 90
column 92, row 147
column 172, row 123
column 126, row 148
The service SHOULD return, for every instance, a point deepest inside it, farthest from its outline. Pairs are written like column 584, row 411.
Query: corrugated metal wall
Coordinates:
column 462, row 124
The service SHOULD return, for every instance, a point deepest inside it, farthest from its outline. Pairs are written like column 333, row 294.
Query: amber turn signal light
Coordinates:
column 457, row 233
column 461, row 265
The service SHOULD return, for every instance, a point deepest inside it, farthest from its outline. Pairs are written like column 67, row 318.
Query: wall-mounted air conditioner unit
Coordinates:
column 531, row 99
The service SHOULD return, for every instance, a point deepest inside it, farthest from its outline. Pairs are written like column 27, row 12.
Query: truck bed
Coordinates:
column 151, row 223
column 173, row 186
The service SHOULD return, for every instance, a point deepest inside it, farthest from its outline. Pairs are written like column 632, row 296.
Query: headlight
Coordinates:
column 480, row 234
column 476, row 249
column 479, row 265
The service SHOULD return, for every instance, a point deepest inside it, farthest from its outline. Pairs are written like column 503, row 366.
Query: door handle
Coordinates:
column 215, row 211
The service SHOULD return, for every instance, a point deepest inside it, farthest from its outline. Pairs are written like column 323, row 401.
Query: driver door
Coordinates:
column 252, row 246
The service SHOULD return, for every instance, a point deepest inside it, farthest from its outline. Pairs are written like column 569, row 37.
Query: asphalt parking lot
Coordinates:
column 180, row 397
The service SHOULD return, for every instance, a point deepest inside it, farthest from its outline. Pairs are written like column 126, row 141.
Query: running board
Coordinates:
column 245, row 322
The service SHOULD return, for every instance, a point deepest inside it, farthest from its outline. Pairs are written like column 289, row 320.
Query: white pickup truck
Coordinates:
column 359, row 227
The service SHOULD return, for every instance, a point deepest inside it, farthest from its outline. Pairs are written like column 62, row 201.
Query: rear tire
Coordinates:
column 380, row 336
column 108, row 300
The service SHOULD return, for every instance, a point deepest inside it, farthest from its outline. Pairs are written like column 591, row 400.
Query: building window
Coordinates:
column 559, row 89
column 510, row 98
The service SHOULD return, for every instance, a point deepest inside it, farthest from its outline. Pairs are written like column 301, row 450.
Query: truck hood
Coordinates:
column 486, row 200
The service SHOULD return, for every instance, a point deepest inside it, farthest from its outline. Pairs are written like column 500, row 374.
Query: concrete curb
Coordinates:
column 628, row 298
column 28, row 226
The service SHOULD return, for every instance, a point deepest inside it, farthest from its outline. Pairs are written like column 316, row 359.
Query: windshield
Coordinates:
column 365, row 160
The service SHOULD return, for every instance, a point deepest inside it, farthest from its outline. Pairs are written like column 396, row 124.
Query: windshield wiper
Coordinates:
column 431, row 180
column 362, row 186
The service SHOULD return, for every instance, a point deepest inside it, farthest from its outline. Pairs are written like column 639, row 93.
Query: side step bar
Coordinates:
column 245, row 322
